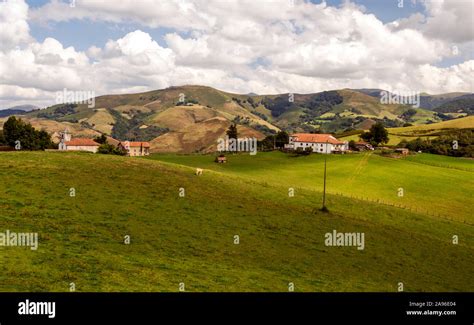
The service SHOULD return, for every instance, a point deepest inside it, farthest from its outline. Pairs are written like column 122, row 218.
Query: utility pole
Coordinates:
column 324, row 189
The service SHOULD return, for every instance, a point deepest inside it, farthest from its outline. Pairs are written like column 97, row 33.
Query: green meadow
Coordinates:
column 191, row 239
column 425, row 187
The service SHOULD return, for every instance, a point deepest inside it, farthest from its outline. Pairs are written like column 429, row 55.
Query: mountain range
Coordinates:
column 191, row 118
column 17, row 110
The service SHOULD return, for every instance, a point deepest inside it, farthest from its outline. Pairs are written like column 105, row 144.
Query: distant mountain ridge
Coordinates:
column 17, row 110
column 24, row 108
column 427, row 101
column 191, row 118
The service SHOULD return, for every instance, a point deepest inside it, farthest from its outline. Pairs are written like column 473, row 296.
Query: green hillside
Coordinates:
column 367, row 176
column 190, row 118
column 462, row 104
column 190, row 239
column 425, row 131
column 175, row 118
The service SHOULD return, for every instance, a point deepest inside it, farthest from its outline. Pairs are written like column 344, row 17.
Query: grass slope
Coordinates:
column 459, row 123
column 191, row 239
column 425, row 131
column 426, row 187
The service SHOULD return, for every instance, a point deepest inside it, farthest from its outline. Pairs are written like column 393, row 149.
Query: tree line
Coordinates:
column 21, row 135
column 459, row 143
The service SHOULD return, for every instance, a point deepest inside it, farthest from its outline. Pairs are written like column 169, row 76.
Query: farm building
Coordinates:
column 362, row 146
column 221, row 159
column 321, row 143
column 80, row 144
column 66, row 143
column 134, row 148
column 402, row 151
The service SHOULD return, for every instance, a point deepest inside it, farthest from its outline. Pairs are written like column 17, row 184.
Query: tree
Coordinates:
column 300, row 151
column 459, row 143
column 408, row 114
column 403, row 144
column 11, row 130
column 376, row 135
column 281, row 138
column 232, row 131
column 108, row 149
column 3, row 142
column 16, row 131
column 102, row 139
column 267, row 143
column 352, row 145
column 44, row 141
column 271, row 141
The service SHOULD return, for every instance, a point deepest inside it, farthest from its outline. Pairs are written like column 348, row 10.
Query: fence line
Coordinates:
column 401, row 206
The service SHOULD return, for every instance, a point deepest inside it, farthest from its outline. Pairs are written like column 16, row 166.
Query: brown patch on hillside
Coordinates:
column 102, row 121
column 112, row 141
column 199, row 137
column 54, row 127
column 179, row 117
column 366, row 124
column 232, row 109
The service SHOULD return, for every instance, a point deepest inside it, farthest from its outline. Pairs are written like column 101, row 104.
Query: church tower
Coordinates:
column 64, row 137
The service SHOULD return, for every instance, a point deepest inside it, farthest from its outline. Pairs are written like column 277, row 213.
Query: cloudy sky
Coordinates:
column 259, row 46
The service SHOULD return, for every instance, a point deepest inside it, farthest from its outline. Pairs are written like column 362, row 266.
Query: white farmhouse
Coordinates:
column 77, row 144
column 80, row 144
column 135, row 148
column 321, row 143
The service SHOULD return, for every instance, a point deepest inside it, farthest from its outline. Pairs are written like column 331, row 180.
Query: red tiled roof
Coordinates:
column 82, row 142
column 316, row 138
column 112, row 141
column 136, row 144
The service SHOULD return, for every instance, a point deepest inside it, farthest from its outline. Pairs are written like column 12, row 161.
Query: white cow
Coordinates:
column 198, row 171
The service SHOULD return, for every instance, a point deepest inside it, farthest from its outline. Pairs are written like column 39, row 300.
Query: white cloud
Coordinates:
column 178, row 14
column 245, row 46
column 13, row 24
column 451, row 21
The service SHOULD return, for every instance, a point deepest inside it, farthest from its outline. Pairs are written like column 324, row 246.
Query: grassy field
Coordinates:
column 459, row 123
column 190, row 239
column 393, row 139
column 426, row 187
column 424, row 131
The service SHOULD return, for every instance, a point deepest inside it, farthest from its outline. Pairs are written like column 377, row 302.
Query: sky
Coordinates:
column 259, row 46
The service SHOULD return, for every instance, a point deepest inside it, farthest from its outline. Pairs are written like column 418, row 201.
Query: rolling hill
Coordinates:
column 10, row 112
column 17, row 110
column 425, row 131
column 191, row 239
column 191, row 118
column 427, row 101
column 463, row 104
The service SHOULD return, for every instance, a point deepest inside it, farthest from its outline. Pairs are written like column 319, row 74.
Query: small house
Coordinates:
column 67, row 143
column 402, row 151
column 363, row 146
column 81, row 144
column 221, row 159
column 135, row 148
